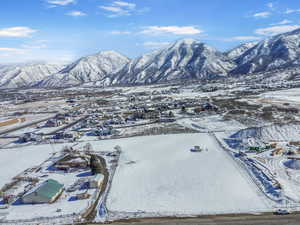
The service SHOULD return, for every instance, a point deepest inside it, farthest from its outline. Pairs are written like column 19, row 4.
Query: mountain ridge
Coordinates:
column 184, row 59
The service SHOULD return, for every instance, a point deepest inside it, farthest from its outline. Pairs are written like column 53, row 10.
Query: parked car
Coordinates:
column 282, row 212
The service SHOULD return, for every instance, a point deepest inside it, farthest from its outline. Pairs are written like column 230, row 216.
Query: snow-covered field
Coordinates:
column 213, row 123
column 289, row 95
column 29, row 119
column 159, row 174
column 15, row 161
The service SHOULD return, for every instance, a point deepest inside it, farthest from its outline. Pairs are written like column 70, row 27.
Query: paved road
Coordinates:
column 67, row 126
column 221, row 220
column 23, row 126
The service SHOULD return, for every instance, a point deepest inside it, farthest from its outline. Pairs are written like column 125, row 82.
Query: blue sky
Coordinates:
column 64, row 30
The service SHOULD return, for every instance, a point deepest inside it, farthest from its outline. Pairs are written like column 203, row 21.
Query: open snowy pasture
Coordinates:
column 160, row 175
column 289, row 95
column 15, row 161
column 213, row 123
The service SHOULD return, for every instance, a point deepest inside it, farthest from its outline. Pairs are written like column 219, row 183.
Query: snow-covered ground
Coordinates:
column 213, row 123
column 278, row 175
column 159, row 174
column 29, row 119
column 15, row 161
column 18, row 160
column 289, row 95
column 260, row 135
column 64, row 204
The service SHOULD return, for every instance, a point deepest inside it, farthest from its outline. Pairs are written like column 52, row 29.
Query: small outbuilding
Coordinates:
column 96, row 181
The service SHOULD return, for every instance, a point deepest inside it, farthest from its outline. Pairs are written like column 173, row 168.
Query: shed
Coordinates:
column 96, row 181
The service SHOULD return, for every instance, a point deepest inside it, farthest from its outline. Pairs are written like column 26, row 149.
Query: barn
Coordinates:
column 47, row 192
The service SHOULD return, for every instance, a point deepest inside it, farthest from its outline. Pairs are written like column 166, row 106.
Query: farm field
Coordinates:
column 158, row 175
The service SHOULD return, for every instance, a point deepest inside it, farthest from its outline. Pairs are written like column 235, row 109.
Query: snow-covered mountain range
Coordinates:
column 93, row 68
column 281, row 51
column 23, row 75
column 184, row 59
column 235, row 53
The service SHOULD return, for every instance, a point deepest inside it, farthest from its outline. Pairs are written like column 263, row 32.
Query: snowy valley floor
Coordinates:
column 160, row 176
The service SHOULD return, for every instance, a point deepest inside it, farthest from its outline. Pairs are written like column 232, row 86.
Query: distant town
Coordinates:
column 82, row 155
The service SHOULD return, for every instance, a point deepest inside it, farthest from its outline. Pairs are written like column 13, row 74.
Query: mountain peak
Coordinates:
column 109, row 53
column 236, row 52
column 277, row 52
column 186, row 41
column 185, row 59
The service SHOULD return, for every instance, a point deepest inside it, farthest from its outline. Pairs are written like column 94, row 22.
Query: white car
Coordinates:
column 282, row 212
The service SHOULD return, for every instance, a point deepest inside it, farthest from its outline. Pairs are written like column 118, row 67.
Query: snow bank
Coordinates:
column 259, row 135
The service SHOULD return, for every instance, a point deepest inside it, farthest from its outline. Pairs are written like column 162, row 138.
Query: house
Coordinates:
column 208, row 106
column 152, row 114
column 96, row 181
column 47, row 192
column 67, row 135
column 198, row 110
column 53, row 123
column 106, row 131
column 70, row 161
column 278, row 151
column 27, row 137
column 296, row 143
column 167, row 120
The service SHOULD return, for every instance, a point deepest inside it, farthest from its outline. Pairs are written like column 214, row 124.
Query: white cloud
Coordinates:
column 13, row 50
column 112, row 9
column 41, row 46
column 76, row 13
column 289, row 11
column 122, row 8
column 115, row 11
column 270, row 5
column 245, row 38
column 155, row 45
column 124, row 4
column 177, row 30
column 60, row 2
column 16, row 32
column 283, row 22
column 116, row 32
column 17, row 55
column 24, row 49
column 262, row 15
column 274, row 30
